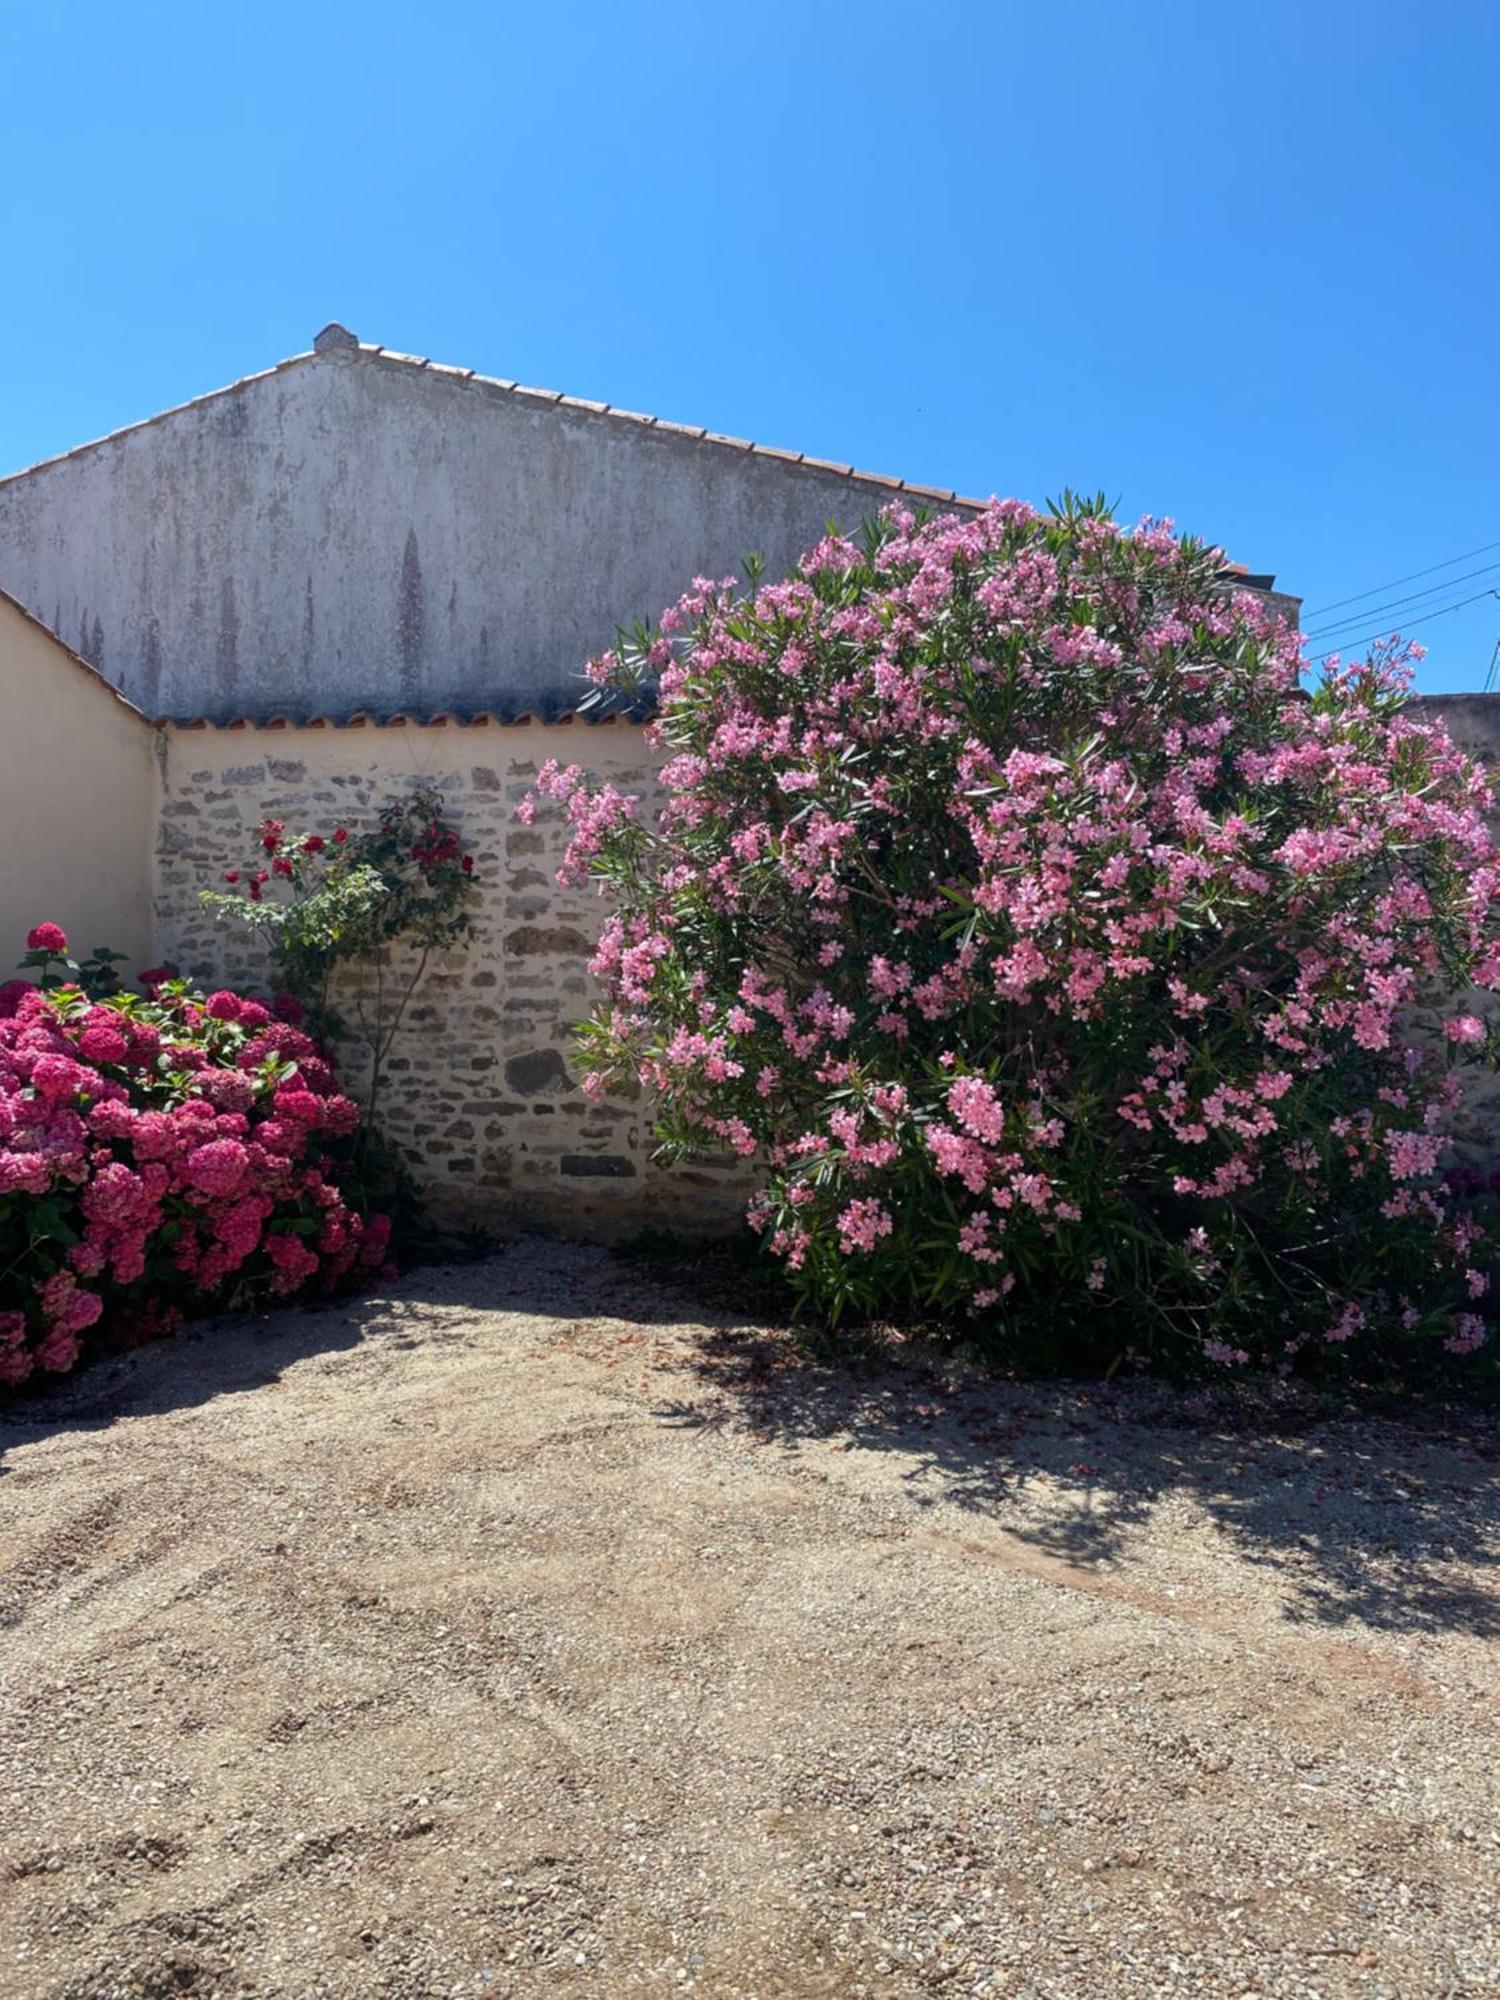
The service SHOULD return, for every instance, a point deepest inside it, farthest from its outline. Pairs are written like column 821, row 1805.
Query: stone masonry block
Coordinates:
column 541, row 1072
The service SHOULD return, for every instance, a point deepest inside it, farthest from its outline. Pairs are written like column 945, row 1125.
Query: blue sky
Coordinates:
column 1233, row 263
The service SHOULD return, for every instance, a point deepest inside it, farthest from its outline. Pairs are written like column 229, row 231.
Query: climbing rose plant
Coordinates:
column 349, row 898
column 161, row 1153
column 1049, row 947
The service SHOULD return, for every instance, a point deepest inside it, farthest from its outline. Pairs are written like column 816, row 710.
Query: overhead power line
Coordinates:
column 1422, row 618
column 1392, row 582
column 1396, row 603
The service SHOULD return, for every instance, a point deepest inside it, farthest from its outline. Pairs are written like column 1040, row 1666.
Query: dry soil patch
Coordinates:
column 516, row 1632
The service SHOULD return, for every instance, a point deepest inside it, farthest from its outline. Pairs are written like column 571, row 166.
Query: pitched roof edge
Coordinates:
column 159, row 417
column 521, row 718
column 77, row 659
column 695, row 433
column 366, row 351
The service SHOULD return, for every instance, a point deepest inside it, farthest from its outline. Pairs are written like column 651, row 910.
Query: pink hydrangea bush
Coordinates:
column 1050, row 948
column 160, row 1154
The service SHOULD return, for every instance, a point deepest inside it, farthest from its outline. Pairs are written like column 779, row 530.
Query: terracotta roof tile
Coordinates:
column 482, row 718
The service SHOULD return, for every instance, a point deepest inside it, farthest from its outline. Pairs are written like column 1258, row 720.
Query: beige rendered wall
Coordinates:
column 483, row 1092
column 77, row 800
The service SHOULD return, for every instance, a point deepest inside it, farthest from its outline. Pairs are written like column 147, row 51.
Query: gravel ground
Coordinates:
column 518, row 1631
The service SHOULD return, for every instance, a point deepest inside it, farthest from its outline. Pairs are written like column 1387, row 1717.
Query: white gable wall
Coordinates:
column 352, row 531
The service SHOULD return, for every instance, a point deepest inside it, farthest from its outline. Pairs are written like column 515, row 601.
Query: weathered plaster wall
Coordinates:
column 482, row 1093
column 1473, row 721
column 357, row 531
column 77, row 800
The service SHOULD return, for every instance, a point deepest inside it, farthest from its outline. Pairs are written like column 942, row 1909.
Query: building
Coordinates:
column 291, row 597
column 359, row 531
column 79, row 791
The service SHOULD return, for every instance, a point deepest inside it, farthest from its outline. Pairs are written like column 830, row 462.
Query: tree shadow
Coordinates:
column 206, row 1359
column 231, row 1354
column 1388, row 1521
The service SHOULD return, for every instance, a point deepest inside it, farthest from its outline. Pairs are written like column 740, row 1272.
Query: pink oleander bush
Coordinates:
column 1051, row 949
column 160, row 1154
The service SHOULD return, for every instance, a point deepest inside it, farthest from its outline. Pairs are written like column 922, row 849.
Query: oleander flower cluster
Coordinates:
column 1067, row 966
column 162, row 1152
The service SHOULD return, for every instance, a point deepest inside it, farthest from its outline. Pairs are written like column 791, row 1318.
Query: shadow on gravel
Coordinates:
column 235, row 1353
column 1386, row 1521
column 1368, row 1519
column 205, row 1360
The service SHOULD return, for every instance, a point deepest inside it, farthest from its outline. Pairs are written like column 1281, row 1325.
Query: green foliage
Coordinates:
column 351, row 895
column 1051, row 951
column 355, row 899
column 95, row 976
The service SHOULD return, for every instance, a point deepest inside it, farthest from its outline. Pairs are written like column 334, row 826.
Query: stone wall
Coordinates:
column 482, row 1092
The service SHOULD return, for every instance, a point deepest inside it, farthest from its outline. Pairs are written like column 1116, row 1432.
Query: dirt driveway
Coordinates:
column 514, row 1633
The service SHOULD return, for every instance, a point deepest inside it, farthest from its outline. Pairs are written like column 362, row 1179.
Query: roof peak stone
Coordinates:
column 335, row 338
